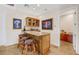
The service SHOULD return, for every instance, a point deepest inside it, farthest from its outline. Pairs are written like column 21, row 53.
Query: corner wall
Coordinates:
column 2, row 29
column 67, row 23
column 54, row 33
column 9, row 35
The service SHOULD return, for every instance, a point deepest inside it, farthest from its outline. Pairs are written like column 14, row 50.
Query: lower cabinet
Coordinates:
column 43, row 43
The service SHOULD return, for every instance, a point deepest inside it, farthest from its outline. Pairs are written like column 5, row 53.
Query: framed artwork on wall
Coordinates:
column 47, row 24
column 17, row 23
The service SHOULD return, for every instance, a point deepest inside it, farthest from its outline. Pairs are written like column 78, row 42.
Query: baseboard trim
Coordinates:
column 9, row 44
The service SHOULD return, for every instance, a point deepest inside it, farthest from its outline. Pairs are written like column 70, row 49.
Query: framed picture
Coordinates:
column 17, row 23
column 47, row 24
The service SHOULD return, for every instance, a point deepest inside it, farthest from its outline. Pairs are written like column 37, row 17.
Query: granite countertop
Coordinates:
column 36, row 33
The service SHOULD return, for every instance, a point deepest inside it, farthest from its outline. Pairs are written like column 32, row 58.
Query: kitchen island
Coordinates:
column 43, row 40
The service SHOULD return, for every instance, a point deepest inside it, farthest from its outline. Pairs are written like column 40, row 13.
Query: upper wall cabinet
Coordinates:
column 32, row 22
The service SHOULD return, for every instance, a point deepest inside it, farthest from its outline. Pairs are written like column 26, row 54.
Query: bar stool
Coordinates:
column 29, row 46
column 21, row 41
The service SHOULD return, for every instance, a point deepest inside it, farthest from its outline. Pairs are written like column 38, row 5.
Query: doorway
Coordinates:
column 66, row 32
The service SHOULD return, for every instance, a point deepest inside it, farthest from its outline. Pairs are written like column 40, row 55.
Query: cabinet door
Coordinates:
column 37, row 23
column 45, row 43
column 32, row 22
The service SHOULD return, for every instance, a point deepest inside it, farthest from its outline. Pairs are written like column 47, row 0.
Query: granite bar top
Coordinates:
column 36, row 33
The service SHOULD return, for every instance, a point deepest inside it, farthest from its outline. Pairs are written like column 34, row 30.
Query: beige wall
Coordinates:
column 54, row 33
column 67, row 23
column 9, row 35
column 2, row 40
column 2, row 26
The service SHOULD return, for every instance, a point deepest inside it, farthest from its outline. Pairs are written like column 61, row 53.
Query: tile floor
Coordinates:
column 65, row 49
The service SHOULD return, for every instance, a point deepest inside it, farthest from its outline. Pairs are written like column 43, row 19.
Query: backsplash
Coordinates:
column 32, row 29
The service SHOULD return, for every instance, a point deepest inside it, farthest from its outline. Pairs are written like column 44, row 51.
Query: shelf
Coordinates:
column 32, row 22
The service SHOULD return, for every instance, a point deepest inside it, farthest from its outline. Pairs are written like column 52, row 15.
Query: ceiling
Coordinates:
column 39, row 9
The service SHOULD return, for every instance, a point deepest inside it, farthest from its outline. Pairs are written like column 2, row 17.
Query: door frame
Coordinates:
column 67, row 12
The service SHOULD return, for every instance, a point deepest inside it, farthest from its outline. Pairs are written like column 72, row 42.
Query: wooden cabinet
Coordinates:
column 66, row 37
column 45, row 44
column 32, row 22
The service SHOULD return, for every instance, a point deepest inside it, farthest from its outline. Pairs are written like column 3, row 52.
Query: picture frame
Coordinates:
column 17, row 23
column 47, row 24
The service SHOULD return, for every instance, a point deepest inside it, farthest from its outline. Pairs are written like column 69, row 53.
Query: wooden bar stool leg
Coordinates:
column 25, row 49
column 34, row 49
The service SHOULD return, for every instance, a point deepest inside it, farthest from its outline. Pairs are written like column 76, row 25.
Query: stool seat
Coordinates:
column 25, row 38
column 29, row 41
